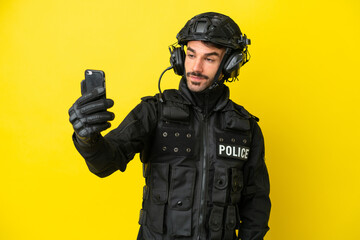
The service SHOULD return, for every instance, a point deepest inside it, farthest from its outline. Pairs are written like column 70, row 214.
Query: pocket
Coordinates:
column 180, row 223
column 230, row 223
column 181, row 200
column 159, row 183
column 236, row 185
column 159, row 187
column 216, row 222
column 182, row 188
column 220, row 185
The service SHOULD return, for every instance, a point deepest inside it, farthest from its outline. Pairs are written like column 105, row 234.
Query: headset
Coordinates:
column 220, row 30
column 233, row 60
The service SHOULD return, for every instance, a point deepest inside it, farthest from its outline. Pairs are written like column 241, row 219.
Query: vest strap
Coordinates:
column 230, row 223
column 236, row 185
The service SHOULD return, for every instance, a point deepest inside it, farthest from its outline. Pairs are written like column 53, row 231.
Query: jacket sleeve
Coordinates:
column 255, row 204
column 113, row 151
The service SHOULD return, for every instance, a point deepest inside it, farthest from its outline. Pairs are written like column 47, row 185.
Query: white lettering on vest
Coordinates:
column 228, row 150
column 221, row 149
column 232, row 151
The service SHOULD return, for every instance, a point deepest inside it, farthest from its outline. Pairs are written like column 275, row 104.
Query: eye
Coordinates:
column 190, row 55
column 210, row 60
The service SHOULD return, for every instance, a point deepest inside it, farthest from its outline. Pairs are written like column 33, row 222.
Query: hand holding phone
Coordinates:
column 89, row 115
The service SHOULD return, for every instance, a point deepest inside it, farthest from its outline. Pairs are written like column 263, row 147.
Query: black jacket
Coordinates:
column 203, row 161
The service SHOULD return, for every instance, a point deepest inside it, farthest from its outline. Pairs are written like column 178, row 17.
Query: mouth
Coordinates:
column 196, row 81
column 196, row 78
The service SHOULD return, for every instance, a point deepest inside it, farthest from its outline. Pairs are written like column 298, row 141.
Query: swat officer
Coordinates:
column 203, row 154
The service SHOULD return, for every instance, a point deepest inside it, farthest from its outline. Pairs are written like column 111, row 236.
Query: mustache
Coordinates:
column 196, row 74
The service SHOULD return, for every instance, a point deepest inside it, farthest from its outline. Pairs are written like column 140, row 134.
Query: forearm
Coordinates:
column 119, row 146
column 100, row 157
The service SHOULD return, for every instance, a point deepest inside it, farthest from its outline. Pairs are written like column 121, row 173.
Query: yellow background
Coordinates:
column 302, row 82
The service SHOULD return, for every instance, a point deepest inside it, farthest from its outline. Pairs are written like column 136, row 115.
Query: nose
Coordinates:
column 198, row 65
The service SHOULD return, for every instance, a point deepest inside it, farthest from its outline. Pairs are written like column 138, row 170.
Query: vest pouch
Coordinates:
column 236, row 185
column 230, row 223
column 181, row 200
column 216, row 222
column 174, row 109
column 175, row 113
column 159, row 178
column 220, row 186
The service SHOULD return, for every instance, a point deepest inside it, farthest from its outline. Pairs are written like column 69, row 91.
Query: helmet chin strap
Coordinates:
column 218, row 81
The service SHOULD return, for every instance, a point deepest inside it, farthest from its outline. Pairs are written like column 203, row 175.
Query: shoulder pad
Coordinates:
column 244, row 112
column 148, row 98
column 254, row 117
column 174, row 95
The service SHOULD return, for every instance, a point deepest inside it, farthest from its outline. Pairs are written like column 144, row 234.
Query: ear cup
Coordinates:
column 177, row 60
column 233, row 64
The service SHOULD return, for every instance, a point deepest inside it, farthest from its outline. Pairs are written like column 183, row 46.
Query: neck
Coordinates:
column 206, row 100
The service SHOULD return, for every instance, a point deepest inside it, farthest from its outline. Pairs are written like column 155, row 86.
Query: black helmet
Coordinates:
column 215, row 28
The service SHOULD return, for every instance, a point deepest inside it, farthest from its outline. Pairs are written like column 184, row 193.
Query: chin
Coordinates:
column 196, row 88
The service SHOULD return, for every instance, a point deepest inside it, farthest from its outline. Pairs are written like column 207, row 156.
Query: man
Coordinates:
column 203, row 154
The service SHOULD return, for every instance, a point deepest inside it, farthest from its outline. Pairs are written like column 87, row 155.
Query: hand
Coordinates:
column 89, row 115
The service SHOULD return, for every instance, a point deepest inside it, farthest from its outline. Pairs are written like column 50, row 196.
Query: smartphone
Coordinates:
column 93, row 79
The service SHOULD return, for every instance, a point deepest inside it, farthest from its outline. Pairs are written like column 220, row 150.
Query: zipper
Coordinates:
column 203, row 190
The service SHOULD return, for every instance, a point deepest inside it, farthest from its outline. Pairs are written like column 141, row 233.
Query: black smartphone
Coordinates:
column 93, row 79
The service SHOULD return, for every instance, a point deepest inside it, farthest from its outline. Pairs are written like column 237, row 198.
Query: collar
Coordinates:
column 208, row 100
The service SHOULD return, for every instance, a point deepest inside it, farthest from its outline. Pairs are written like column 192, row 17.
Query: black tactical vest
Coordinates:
column 193, row 171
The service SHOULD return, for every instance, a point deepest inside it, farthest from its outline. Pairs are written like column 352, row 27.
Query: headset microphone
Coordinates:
column 160, row 93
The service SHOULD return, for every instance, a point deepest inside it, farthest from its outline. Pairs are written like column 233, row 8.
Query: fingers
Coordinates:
column 88, row 130
column 72, row 114
column 91, row 96
column 89, row 113
column 97, row 118
column 94, row 123
column 100, row 117
column 71, row 110
column 96, row 106
column 100, row 127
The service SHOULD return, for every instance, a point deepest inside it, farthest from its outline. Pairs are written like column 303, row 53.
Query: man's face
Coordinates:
column 201, row 64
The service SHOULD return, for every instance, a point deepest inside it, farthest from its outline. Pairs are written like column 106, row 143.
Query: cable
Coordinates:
column 160, row 93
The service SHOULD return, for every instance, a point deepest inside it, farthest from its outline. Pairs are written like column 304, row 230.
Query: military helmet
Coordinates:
column 215, row 28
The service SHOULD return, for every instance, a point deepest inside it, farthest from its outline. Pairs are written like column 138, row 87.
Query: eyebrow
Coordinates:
column 207, row 54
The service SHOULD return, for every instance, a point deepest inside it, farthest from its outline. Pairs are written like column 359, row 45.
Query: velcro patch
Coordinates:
column 233, row 151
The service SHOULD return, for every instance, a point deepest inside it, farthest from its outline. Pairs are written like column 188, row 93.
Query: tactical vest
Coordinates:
column 193, row 171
